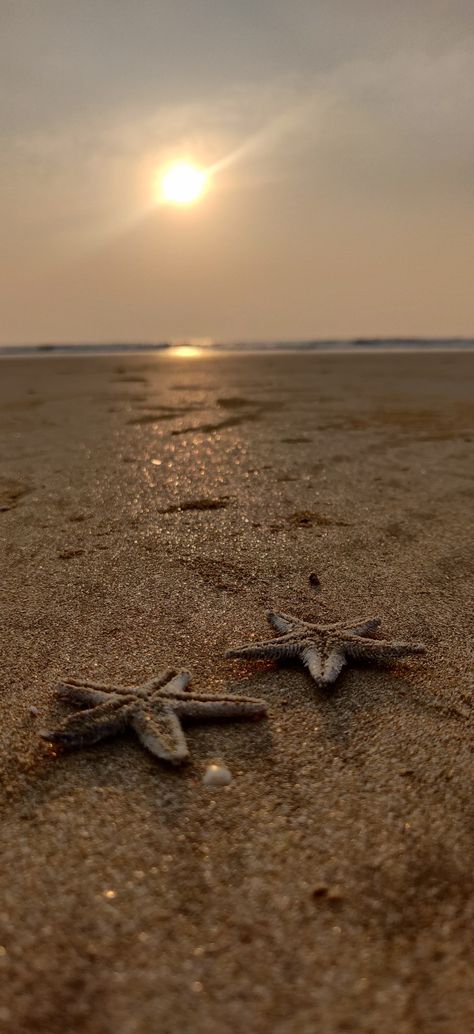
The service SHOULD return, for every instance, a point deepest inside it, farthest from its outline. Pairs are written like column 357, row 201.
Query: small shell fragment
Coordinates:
column 217, row 775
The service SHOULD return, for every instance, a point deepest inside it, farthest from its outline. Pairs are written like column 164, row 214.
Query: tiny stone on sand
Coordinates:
column 217, row 775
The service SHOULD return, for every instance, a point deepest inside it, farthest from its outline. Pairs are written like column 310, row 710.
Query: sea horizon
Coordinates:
column 359, row 344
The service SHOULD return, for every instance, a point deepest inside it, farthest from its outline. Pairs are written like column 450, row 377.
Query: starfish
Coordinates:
column 153, row 710
column 325, row 649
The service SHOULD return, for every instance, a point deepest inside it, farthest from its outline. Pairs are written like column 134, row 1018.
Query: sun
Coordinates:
column 182, row 184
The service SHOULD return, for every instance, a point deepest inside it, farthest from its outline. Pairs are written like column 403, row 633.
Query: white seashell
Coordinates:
column 217, row 775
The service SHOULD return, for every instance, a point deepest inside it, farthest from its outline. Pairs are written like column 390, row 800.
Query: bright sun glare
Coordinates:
column 182, row 184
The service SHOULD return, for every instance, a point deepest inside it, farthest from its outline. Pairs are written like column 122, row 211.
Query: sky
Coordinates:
column 341, row 138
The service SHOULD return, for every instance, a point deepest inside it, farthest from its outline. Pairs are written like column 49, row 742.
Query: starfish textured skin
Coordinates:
column 153, row 710
column 325, row 649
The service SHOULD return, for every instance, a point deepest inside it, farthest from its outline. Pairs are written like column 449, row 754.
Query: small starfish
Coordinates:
column 153, row 710
column 325, row 649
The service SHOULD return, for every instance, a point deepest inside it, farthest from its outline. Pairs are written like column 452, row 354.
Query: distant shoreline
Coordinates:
column 357, row 345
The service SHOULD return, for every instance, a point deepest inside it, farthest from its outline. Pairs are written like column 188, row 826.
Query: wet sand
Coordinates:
column 152, row 509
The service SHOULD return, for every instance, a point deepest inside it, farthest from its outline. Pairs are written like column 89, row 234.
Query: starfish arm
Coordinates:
column 282, row 622
column 97, row 723
column 160, row 732
column 204, row 707
column 177, row 684
column 379, row 649
column 362, row 627
column 270, row 648
column 156, row 683
column 324, row 669
column 89, row 693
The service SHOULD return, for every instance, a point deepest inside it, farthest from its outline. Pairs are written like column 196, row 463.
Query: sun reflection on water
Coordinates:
column 187, row 351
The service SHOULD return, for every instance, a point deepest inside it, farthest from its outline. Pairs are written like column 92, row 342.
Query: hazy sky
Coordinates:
column 343, row 205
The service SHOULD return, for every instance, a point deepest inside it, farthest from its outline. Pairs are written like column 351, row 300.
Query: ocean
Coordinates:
column 317, row 345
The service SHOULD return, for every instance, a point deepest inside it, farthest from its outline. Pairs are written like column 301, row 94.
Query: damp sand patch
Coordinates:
column 308, row 518
column 206, row 503
column 240, row 410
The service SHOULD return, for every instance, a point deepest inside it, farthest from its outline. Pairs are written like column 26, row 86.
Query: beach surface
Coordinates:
column 151, row 510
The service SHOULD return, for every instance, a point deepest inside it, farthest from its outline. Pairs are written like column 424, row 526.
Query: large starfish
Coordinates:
column 325, row 649
column 153, row 710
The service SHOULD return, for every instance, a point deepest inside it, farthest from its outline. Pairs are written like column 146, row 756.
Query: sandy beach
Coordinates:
column 151, row 510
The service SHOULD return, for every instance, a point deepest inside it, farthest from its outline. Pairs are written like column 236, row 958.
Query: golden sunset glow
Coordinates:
column 182, row 184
